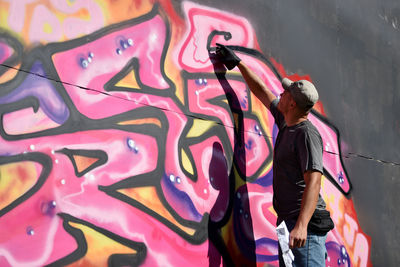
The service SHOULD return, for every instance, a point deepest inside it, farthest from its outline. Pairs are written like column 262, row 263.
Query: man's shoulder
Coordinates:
column 308, row 131
column 310, row 128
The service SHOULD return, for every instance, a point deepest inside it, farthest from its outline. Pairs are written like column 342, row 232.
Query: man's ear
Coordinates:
column 293, row 103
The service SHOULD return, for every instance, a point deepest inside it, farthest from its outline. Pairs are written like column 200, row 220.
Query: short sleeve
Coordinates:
column 309, row 151
column 278, row 116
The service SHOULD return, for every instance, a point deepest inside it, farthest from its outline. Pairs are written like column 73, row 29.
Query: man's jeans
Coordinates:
column 312, row 254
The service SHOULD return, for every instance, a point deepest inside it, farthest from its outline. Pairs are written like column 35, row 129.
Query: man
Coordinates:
column 298, row 164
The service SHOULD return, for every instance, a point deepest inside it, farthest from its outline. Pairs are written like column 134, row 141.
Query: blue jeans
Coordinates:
column 312, row 254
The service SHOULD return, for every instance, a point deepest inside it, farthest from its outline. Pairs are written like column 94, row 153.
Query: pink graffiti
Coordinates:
column 71, row 194
column 100, row 60
column 331, row 156
column 263, row 218
column 192, row 54
column 35, row 121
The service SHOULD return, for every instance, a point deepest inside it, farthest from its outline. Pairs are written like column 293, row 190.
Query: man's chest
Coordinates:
column 285, row 147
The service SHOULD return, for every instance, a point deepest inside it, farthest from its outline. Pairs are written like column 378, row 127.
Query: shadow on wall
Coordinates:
column 237, row 221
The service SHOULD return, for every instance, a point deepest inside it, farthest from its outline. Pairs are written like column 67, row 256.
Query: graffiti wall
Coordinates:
column 124, row 144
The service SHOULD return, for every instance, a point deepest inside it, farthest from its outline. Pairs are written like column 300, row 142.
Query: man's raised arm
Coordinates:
column 256, row 85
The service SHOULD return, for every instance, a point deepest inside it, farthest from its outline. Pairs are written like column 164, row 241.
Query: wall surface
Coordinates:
column 124, row 144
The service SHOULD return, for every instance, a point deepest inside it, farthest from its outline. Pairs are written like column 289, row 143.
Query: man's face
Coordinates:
column 285, row 101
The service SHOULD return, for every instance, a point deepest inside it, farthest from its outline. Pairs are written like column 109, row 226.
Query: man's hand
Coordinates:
column 298, row 237
column 227, row 56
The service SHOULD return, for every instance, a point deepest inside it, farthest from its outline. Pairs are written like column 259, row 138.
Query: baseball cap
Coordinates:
column 303, row 92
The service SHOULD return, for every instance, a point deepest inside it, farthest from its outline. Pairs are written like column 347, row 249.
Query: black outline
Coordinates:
column 15, row 58
column 99, row 154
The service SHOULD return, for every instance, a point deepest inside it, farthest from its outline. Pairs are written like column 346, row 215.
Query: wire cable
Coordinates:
column 348, row 156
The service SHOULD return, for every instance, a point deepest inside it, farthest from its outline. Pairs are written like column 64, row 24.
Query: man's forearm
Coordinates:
column 256, row 85
column 310, row 198
column 298, row 235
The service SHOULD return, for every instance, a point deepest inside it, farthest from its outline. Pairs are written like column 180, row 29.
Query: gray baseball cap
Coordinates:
column 303, row 92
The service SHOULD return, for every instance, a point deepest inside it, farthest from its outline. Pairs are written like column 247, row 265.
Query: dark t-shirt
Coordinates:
column 297, row 149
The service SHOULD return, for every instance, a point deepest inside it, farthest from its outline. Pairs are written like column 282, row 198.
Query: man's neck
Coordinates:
column 292, row 120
